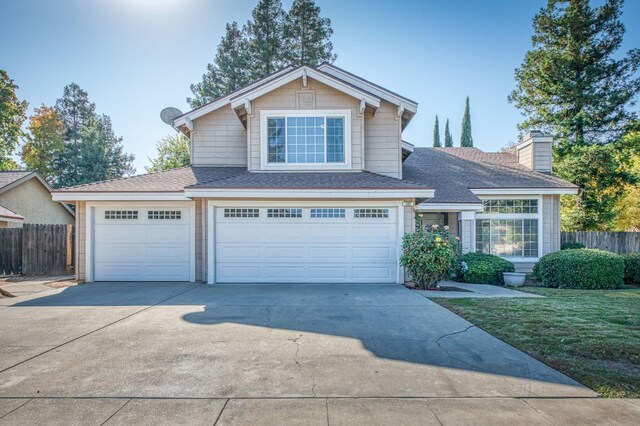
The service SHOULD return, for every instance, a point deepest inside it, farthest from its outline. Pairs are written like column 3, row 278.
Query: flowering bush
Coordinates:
column 429, row 255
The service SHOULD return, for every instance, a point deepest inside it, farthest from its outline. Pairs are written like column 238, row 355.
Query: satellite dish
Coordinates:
column 169, row 114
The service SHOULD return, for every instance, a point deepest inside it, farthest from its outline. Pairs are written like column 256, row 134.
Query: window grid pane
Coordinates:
column 250, row 213
column 121, row 214
column 305, row 140
column 276, row 140
column 335, row 140
column 327, row 213
column 507, row 237
column 510, row 206
column 164, row 214
column 284, row 213
column 371, row 213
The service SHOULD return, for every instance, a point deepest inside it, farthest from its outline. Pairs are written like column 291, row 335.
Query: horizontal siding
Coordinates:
column 199, row 239
column 550, row 223
column 81, row 241
column 525, row 156
column 382, row 137
column 542, row 156
column 285, row 98
column 219, row 138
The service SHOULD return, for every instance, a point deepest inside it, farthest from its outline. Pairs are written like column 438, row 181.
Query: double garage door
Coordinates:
column 250, row 244
column 306, row 245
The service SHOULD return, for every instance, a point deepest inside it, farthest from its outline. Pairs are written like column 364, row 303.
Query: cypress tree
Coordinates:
column 436, row 134
column 448, row 139
column 465, row 137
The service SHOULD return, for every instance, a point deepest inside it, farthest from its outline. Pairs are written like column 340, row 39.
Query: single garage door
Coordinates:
column 306, row 245
column 142, row 244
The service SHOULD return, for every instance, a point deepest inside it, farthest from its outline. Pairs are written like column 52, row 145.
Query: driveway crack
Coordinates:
column 445, row 350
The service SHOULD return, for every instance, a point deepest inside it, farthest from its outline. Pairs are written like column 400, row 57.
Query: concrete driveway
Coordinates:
column 209, row 344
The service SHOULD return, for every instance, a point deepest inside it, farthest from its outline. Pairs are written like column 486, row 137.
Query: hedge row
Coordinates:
column 480, row 268
column 581, row 268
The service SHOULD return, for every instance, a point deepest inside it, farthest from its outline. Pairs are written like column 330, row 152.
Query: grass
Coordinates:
column 592, row 336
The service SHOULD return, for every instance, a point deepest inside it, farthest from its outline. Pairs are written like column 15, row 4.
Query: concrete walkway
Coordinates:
column 475, row 291
column 320, row 411
column 24, row 286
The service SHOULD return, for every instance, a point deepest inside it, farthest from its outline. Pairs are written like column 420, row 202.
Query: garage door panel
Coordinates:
column 318, row 273
column 283, row 233
column 383, row 253
column 115, row 252
column 167, row 272
column 118, row 271
column 118, row 234
column 329, row 233
column 163, row 234
column 370, row 272
column 238, row 272
column 328, row 252
column 238, row 253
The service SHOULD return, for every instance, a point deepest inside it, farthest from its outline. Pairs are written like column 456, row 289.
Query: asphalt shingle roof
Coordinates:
column 454, row 171
column 7, row 178
column 9, row 214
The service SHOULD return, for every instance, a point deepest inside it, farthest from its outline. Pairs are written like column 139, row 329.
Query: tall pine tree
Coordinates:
column 573, row 83
column 308, row 35
column 436, row 134
column 465, row 137
column 448, row 139
column 12, row 115
column 229, row 70
column 266, row 42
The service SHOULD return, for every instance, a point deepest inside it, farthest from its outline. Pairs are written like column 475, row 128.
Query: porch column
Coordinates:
column 466, row 230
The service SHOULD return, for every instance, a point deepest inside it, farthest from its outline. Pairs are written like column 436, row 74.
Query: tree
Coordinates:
column 307, row 35
column 45, row 141
column 448, row 139
column 12, row 115
column 628, row 206
column 572, row 84
column 465, row 137
column 229, row 70
column 173, row 152
column 266, row 39
column 436, row 134
column 91, row 151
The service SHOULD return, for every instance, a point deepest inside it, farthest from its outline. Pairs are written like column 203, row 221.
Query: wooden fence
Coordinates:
column 616, row 242
column 37, row 249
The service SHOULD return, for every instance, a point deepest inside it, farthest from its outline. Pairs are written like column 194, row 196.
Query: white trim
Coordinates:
column 10, row 219
column 118, row 196
column 299, row 73
column 192, row 243
column 310, row 193
column 289, row 203
column 88, row 250
column 449, row 207
column 408, row 146
column 369, row 87
column 507, row 192
column 467, row 215
column 211, row 243
column 400, row 221
column 266, row 114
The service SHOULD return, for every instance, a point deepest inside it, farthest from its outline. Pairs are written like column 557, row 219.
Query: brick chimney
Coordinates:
column 534, row 151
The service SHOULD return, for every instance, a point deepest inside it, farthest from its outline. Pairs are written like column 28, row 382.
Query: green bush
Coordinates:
column 480, row 268
column 632, row 268
column 580, row 268
column 429, row 256
column 572, row 246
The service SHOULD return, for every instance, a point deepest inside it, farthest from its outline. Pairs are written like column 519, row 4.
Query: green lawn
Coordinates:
column 592, row 336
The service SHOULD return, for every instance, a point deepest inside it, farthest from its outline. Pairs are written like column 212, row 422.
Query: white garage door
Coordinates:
column 306, row 245
column 142, row 244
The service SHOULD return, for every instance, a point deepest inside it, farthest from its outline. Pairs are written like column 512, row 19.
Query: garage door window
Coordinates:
column 288, row 213
column 164, row 214
column 242, row 213
column 371, row 213
column 121, row 214
column 327, row 213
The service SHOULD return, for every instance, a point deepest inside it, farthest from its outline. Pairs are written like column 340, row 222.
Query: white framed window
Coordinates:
column 164, row 215
column 121, row 214
column 371, row 213
column 306, row 139
column 509, row 228
column 328, row 213
column 288, row 213
column 247, row 213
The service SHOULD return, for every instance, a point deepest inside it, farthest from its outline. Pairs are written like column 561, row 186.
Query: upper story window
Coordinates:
column 306, row 139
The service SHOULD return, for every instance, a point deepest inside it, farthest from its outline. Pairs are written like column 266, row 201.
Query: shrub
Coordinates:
column 572, row 246
column 481, row 268
column 632, row 268
column 580, row 268
column 429, row 256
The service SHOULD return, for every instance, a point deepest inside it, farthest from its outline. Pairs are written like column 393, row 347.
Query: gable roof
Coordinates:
column 13, row 178
column 457, row 172
column 7, row 214
column 330, row 75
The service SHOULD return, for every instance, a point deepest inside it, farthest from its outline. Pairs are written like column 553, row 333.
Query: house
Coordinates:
column 303, row 177
column 25, row 197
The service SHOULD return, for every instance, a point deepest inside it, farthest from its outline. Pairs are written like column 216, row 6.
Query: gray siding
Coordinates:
column 382, row 141
column 219, row 139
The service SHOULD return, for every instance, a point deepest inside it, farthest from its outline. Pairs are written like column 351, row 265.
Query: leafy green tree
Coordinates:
column 229, row 71
column 465, row 137
column 436, row 134
column 266, row 40
column 91, row 151
column 448, row 139
column 574, row 84
column 45, row 141
column 12, row 115
column 307, row 35
column 173, row 152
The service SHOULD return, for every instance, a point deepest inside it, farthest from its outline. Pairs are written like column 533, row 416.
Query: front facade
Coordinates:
column 303, row 177
column 25, row 197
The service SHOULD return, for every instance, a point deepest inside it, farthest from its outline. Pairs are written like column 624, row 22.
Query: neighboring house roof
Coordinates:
column 455, row 172
column 13, row 178
column 6, row 214
column 326, row 74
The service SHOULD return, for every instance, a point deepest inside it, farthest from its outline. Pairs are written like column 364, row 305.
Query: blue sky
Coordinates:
column 135, row 57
